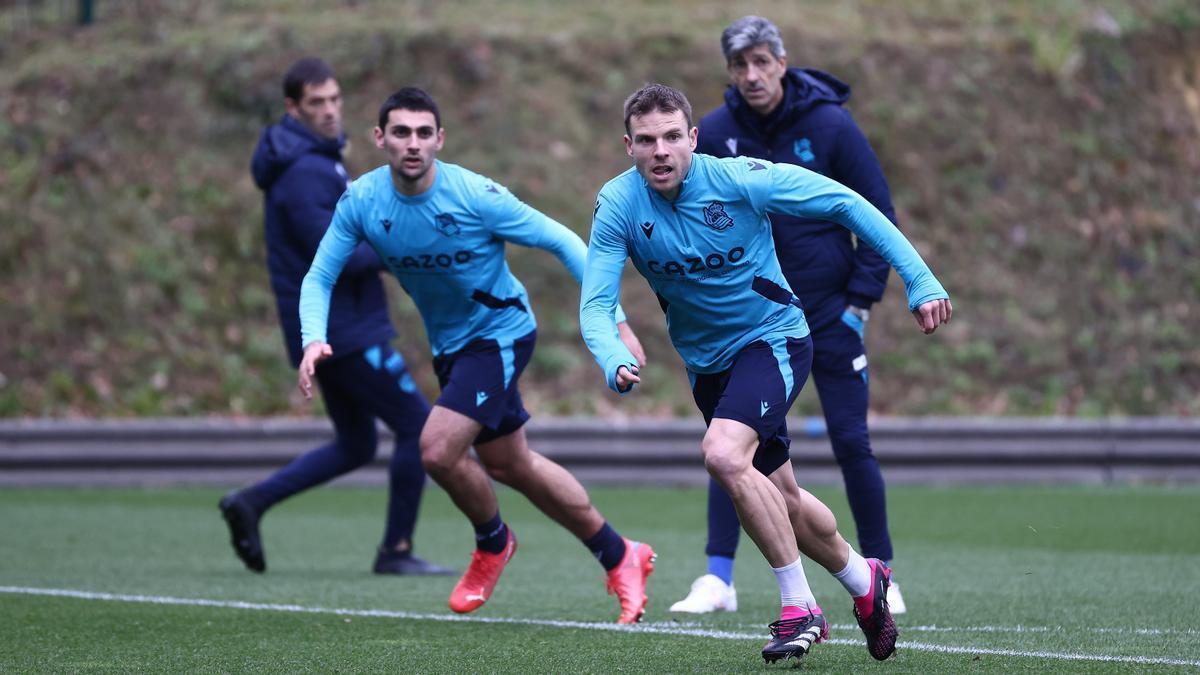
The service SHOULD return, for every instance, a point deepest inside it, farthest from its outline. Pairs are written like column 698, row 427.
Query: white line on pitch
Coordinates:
column 653, row 628
column 1013, row 629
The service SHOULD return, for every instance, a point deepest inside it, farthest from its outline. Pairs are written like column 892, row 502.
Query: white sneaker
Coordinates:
column 895, row 600
column 708, row 594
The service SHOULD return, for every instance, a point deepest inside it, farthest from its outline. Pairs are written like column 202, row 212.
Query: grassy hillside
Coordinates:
column 1043, row 156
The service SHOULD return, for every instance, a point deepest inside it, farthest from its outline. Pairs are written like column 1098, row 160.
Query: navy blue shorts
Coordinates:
column 480, row 381
column 757, row 390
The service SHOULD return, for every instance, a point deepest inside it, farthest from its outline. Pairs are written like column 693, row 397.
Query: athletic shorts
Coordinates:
column 757, row 390
column 480, row 381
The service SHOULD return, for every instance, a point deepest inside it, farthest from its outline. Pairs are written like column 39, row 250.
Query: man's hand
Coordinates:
column 632, row 343
column 315, row 352
column 933, row 313
column 626, row 378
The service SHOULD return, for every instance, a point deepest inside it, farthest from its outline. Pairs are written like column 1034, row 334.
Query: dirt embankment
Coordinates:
column 1061, row 207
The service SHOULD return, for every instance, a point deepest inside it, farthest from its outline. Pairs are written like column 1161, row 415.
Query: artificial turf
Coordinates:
column 1000, row 578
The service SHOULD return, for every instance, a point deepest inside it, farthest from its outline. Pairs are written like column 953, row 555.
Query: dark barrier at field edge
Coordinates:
column 635, row 451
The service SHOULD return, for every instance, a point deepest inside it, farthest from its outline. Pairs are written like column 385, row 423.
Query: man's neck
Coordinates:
column 769, row 111
column 671, row 194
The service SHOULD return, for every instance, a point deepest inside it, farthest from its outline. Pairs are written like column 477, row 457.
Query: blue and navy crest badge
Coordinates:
column 716, row 218
column 803, row 150
column 445, row 223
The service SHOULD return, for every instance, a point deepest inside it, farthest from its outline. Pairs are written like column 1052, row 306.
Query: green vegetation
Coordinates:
column 1042, row 155
column 1100, row 573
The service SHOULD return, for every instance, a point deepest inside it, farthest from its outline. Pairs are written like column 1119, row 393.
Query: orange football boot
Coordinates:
column 627, row 581
column 477, row 583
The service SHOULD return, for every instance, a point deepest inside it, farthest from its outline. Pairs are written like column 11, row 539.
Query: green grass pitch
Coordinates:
column 998, row 579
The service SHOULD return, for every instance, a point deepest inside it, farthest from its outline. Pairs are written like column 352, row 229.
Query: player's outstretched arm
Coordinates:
column 515, row 221
column 606, row 253
column 796, row 191
column 335, row 249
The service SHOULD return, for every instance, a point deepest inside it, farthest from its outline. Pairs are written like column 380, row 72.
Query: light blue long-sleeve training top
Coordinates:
column 709, row 256
column 446, row 246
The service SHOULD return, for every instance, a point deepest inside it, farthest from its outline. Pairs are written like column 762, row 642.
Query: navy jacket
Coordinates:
column 810, row 128
column 302, row 177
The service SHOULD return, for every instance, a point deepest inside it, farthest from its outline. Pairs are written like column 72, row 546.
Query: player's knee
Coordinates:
column 437, row 457
column 722, row 463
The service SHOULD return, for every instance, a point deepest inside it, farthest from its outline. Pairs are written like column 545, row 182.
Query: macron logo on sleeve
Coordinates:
column 480, row 398
column 765, row 408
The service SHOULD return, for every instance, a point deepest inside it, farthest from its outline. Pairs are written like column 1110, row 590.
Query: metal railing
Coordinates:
column 633, row 451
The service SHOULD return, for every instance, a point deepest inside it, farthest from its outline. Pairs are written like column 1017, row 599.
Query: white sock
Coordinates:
column 793, row 587
column 856, row 577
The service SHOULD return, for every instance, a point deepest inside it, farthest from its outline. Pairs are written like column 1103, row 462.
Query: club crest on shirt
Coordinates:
column 445, row 223
column 716, row 218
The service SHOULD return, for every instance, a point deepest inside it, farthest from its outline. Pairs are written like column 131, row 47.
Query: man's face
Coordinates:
column 661, row 146
column 758, row 76
column 319, row 108
column 411, row 141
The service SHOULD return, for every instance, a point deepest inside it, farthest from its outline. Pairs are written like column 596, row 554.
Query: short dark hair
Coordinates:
column 409, row 98
column 658, row 97
column 308, row 70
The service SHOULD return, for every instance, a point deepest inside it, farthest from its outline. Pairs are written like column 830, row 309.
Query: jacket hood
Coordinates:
column 803, row 89
column 282, row 144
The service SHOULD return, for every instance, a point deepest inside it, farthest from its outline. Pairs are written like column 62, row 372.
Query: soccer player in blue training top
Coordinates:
column 796, row 116
column 696, row 228
column 298, row 165
column 441, row 230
